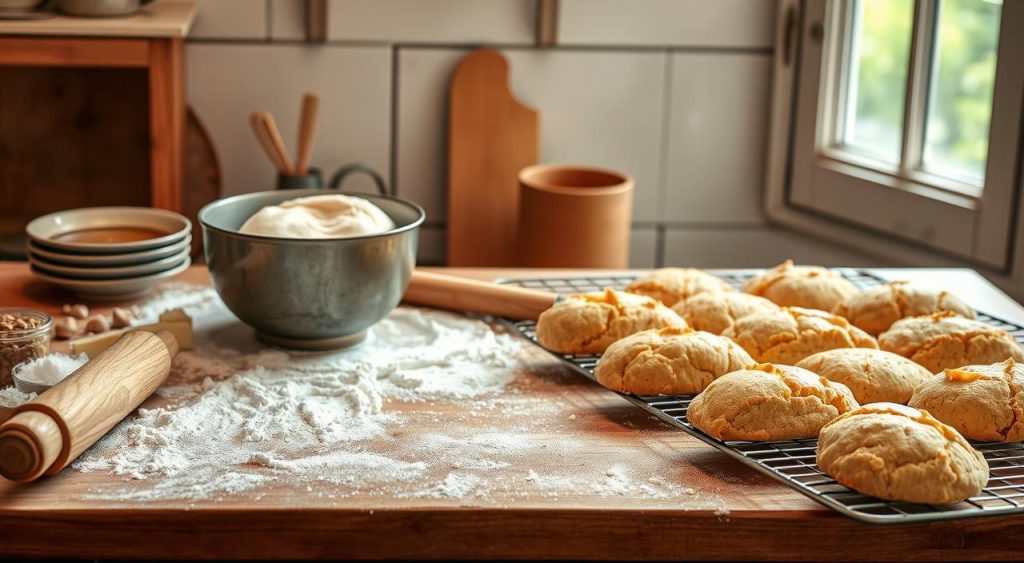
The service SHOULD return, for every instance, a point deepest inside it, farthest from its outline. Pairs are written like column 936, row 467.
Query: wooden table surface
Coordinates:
column 727, row 512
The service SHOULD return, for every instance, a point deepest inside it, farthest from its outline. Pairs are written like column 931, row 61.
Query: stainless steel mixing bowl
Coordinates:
column 310, row 294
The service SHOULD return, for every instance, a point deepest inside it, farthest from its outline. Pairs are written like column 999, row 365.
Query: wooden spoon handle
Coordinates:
column 264, row 140
column 307, row 131
column 461, row 294
column 275, row 140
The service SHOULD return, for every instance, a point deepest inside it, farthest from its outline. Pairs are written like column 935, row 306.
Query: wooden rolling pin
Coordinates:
column 461, row 294
column 47, row 434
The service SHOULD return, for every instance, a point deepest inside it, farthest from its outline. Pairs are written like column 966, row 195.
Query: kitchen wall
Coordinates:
column 675, row 92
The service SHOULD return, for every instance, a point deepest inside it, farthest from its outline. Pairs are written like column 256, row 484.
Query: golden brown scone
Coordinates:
column 874, row 376
column 874, row 310
column 811, row 287
column 896, row 452
column 981, row 402
column 944, row 340
column 768, row 402
column 668, row 361
column 671, row 285
column 587, row 323
column 716, row 311
column 791, row 334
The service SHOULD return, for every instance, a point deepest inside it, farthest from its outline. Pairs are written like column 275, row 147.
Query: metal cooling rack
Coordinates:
column 792, row 462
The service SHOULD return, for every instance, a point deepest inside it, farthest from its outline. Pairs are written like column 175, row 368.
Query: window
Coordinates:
column 906, row 119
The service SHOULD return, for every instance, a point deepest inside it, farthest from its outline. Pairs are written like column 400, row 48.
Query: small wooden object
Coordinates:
column 461, row 294
column 47, row 434
column 307, row 131
column 274, row 135
column 491, row 137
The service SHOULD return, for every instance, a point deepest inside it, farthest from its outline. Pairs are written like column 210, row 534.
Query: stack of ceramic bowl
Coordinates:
column 109, row 253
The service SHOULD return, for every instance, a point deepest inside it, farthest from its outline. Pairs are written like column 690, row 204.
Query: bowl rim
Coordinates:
column 101, row 283
column 105, row 272
column 105, row 260
column 114, row 247
column 420, row 218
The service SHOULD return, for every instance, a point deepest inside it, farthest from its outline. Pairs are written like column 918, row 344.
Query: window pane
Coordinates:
column 877, row 77
column 960, row 99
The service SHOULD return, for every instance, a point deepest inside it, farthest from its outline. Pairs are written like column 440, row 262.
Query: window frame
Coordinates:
column 808, row 177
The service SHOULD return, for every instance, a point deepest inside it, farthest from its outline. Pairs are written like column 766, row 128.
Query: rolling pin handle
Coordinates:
column 29, row 445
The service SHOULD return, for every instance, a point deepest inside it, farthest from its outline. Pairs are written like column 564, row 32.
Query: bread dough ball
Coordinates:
column 791, row 334
column 811, row 287
column 874, row 376
column 319, row 216
column 716, row 311
column 671, row 285
column 945, row 340
column 668, row 361
column 768, row 402
column 874, row 310
column 896, row 452
column 982, row 402
column 587, row 323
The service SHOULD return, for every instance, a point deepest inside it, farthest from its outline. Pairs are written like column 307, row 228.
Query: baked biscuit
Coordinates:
column 587, row 323
column 874, row 310
column 874, row 376
column 791, row 334
column 981, row 402
column 768, row 402
column 895, row 452
column 672, row 285
column 944, row 340
column 811, row 287
column 716, row 311
column 668, row 361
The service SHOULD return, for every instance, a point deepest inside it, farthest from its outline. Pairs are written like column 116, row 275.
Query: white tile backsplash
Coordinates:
column 752, row 248
column 288, row 20
column 690, row 23
column 601, row 108
column 718, row 131
column 643, row 247
column 432, row 21
column 227, row 82
column 230, row 19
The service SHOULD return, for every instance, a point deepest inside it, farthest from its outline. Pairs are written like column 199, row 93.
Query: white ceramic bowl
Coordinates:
column 108, row 272
column 102, row 260
column 43, row 229
column 113, row 290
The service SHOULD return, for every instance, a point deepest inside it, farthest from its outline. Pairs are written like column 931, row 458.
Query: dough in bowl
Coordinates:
column 671, row 285
column 768, row 402
column 896, row 452
column 945, row 340
column 668, row 361
column 714, row 312
column 874, row 376
column 791, row 334
column 811, row 287
column 587, row 323
column 874, row 310
column 319, row 216
column 981, row 402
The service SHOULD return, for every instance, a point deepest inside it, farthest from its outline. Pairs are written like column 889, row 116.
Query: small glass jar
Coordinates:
column 24, row 336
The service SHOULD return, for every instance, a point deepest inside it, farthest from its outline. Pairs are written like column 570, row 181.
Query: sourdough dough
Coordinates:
column 874, row 310
column 717, row 311
column 981, row 402
column 769, row 402
column 896, row 452
column 587, row 323
column 319, row 216
column 791, row 334
column 811, row 287
column 874, row 376
column 944, row 340
column 671, row 285
column 668, row 361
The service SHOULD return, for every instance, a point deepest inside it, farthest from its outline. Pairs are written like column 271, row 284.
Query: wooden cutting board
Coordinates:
column 491, row 137
column 201, row 177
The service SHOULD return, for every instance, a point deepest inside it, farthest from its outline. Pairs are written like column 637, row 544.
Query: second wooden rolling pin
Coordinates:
column 48, row 433
column 461, row 294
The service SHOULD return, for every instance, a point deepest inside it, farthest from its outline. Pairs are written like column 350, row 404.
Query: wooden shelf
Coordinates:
column 163, row 18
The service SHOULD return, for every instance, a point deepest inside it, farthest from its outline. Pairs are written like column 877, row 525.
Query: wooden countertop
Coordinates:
column 732, row 512
column 162, row 18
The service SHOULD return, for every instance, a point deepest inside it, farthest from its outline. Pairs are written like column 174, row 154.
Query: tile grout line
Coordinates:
column 666, row 127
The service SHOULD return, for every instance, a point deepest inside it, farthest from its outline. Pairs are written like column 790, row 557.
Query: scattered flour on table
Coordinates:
column 238, row 420
column 11, row 397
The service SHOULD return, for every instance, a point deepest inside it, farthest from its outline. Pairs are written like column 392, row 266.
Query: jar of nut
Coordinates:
column 24, row 336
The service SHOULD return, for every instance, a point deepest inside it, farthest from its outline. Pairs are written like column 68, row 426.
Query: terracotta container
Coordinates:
column 574, row 217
